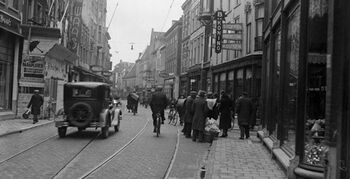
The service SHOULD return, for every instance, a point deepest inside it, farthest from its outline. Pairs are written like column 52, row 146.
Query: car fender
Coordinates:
column 103, row 117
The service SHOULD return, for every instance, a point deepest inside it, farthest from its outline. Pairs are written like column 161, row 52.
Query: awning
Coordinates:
column 60, row 52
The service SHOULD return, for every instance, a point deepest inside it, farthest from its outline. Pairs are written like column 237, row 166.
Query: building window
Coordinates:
column 249, row 37
column 230, row 84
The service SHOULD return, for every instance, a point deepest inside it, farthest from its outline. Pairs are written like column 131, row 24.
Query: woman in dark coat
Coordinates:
column 189, row 114
column 36, row 101
column 225, row 114
column 200, row 109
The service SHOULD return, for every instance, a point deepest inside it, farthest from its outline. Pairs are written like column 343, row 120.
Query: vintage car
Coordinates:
column 88, row 104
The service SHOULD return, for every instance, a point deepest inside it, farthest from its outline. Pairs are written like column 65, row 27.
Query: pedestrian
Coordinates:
column 180, row 109
column 200, row 109
column 213, row 111
column 244, row 110
column 225, row 114
column 189, row 113
column 35, row 103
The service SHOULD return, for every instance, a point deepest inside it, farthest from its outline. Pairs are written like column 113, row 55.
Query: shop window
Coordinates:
column 230, row 84
column 222, row 86
column 13, row 4
column 276, row 82
column 216, row 83
column 238, row 83
column 292, row 60
column 316, row 85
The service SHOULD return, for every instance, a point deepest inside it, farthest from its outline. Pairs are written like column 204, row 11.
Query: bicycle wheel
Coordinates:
column 175, row 119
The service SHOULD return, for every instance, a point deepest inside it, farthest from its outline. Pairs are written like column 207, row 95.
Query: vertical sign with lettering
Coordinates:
column 75, row 29
column 219, row 16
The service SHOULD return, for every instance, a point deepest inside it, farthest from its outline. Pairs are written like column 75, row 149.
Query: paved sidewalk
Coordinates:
column 232, row 158
column 19, row 125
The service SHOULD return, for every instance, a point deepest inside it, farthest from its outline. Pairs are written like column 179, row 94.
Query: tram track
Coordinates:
column 61, row 172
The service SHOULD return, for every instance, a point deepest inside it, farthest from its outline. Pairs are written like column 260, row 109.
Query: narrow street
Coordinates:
column 39, row 153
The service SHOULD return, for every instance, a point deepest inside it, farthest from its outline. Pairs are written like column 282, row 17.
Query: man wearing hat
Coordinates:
column 244, row 110
column 200, row 109
column 189, row 113
column 36, row 101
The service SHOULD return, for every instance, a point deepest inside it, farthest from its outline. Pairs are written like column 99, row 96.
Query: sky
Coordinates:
column 133, row 22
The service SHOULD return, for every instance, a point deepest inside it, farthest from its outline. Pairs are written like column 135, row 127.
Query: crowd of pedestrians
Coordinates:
column 199, row 107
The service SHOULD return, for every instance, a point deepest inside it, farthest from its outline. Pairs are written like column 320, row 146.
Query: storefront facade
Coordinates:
column 299, row 121
column 239, row 75
column 10, row 40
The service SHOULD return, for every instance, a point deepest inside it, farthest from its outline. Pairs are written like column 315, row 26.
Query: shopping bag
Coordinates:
column 26, row 114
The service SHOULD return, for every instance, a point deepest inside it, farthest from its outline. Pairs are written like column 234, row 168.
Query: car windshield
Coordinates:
column 82, row 92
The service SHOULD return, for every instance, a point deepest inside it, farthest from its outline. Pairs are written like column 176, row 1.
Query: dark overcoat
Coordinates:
column 244, row 110
column 225, row 113
column 213, row 109
column 35, row 103
column 188, row 110
column 158, row 102
column 200, row 110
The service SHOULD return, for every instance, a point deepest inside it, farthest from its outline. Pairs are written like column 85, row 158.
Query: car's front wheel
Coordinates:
column 105, row 132
column 62, row 131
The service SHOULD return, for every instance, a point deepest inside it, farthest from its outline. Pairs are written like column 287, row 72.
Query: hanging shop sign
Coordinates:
column 232, row 46
column 219, row 17
column 75, row 30
column 96, row 68
column 232, row 36
column 107, row 73
column 9, row 23
column 233, row 26
column 33, row 69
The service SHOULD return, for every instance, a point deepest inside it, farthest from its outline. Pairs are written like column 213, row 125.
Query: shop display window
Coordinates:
column 292, row 60
column 5, row 88
column 216, row 83
column 276, row 82
column 239, row 83
column 230, row 84
column 222, row 86
column 314, row 125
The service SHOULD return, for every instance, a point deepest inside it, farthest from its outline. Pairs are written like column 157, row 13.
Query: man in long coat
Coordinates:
column 225, row 114
column 189, row 113
column 158, row 103
column 244, row 110
column 36, row 101
column 200, row 109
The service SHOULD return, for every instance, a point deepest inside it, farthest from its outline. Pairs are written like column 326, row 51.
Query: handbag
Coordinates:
column 26, row 114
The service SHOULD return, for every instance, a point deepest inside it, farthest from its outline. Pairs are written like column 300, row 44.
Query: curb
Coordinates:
column 25, row 129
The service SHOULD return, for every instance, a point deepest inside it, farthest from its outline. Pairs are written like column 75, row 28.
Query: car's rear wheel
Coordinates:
column 105, row 132
column 62, row 131
column 80, row 129
column 80, row 114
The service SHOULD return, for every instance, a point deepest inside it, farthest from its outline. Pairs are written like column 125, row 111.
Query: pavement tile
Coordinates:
column 233, row 158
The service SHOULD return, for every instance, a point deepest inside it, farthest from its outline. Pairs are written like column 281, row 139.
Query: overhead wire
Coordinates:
column 112, row 15
column 166, row 18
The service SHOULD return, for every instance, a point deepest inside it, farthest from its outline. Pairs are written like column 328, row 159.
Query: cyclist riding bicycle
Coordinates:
column 158, row 103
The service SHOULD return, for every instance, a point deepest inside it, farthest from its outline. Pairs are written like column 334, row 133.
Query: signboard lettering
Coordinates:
column 232, row 46
column 219, row 16
column 232, row 36
column 230, row 26
column 75, row 30
column 9, row 22
column 96, row 68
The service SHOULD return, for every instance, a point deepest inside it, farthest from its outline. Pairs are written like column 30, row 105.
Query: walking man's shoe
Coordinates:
column 154, row 130
column 242, row 138
column 35, row 122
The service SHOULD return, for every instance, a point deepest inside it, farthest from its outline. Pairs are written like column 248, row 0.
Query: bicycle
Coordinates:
column 158, row 123
column 173, row 118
